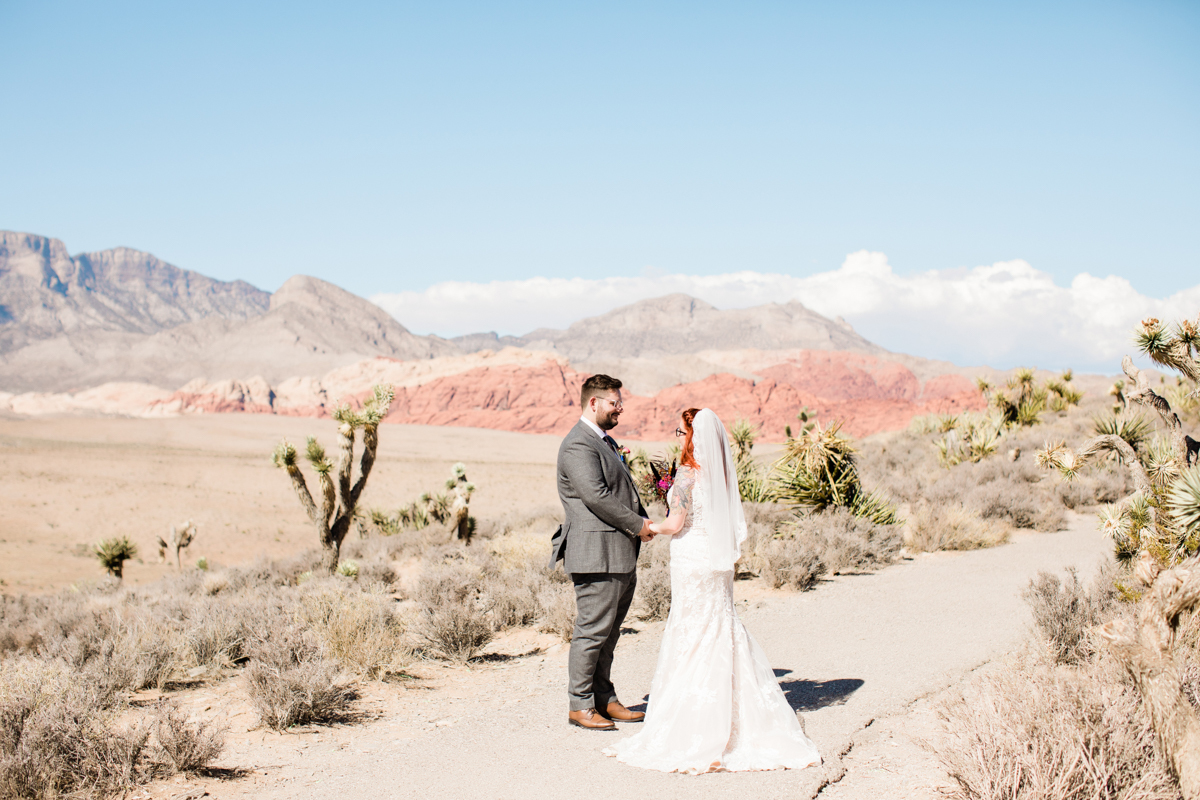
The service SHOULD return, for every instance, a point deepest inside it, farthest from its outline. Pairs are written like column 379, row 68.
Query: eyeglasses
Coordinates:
column 613, row 403
column 679, row 432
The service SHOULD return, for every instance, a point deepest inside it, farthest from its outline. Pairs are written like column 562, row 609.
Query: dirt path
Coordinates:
column 862, row 657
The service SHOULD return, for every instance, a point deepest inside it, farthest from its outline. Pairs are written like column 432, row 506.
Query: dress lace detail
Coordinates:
column 715, row 704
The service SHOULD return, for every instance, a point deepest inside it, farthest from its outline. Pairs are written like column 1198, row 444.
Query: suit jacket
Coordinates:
column 603, row 510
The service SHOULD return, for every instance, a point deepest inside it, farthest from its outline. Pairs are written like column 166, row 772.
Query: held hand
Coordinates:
column 655, row 528
column 647, row 532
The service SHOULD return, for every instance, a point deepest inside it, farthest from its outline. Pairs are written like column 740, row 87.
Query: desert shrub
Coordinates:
column 558, row 601
column 456, row 631
column 654, row 580
column 951, row 527
column 219, row 630
column 291, row 682
column 59, row 736
column 183, row 745
column 790, row 561
column 512, row 599
column 846, row 542
column 361, row 630
column 1033, row 731
column 1064, row 611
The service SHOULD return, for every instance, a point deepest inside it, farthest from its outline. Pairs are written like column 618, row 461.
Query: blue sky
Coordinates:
column 392, row 147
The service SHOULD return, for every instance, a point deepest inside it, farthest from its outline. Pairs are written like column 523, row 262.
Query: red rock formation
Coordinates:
column 867, row 394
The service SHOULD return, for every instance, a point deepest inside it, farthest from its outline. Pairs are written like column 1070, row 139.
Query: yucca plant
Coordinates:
column 817, row 471
column 113, row 553
column 1158, row 519
column 1133, row 428
column 973, row 438
column 752, row 480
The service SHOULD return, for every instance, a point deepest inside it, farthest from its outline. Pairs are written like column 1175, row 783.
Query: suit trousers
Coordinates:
column 602, row 600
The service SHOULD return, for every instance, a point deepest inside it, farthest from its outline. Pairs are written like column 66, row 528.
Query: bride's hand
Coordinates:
column 656, row 528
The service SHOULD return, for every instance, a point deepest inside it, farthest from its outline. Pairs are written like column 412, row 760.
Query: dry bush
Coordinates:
column 291, row 682
column 512, row 599
column 183, row 745
column 361, row 630
column 59, row 736
column 1033, row 731
column 1064, row 612
column 558, row 600
column 653, row 593
column 219, row 630
column 456, row 631
column 844, row 542
column 790, row 561
column 951, row 527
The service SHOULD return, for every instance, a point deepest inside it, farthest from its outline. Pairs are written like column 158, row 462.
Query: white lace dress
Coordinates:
column 715, row 704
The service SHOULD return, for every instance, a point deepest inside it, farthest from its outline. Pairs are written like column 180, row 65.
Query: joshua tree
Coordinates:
column 181, row 537
column 338, row 497
column 113, row 553
column 817, row 471
column 1161, row 516
column 462, row 523
column 1144, row 649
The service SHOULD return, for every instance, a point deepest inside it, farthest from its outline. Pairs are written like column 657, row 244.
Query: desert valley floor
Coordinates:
column 863, row 657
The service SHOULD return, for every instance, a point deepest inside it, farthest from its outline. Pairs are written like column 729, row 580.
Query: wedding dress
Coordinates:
column 715, row 704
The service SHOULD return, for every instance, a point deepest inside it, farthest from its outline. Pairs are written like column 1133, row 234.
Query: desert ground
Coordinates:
column 863, row 657
column 66, row 483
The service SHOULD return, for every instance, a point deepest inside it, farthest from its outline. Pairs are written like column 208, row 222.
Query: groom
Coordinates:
column 598, row 544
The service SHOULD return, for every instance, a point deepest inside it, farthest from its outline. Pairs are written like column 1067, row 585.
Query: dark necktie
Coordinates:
column 612, row 443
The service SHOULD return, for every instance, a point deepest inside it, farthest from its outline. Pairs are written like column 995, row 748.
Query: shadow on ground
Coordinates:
column 812, row 695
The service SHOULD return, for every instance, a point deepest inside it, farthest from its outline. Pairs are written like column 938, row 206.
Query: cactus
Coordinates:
column 1162, row 516
column 181, row 537
column 113, row 553
column 339, row 494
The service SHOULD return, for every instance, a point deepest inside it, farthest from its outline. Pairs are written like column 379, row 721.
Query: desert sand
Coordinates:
column 863, row 657
column 68, row 482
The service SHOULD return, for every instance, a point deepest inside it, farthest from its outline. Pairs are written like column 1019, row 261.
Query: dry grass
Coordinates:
column 653, row 593
column 1033, row 731
column 184, row 745
column 456, row 631
column 948, row 527
column 790, row 562
column 1062, row 720
column 59, row 736
column 1064, row 612
column 291, row 682
column 362, row 631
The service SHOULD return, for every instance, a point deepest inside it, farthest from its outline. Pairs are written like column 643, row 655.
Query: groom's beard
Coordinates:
column 607, row 422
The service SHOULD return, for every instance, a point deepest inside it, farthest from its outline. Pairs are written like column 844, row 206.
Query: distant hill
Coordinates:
column 123, row 315
column 677, row 324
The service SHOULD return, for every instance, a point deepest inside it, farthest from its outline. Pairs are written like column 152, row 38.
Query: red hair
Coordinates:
column 688, row 456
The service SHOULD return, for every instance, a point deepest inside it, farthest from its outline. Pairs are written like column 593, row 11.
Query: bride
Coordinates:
column 715, row 705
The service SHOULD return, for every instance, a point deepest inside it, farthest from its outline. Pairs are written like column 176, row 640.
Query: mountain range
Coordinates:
column 119, row 331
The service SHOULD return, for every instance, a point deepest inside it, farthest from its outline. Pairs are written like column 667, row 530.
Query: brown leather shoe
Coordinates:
column 619, row 713
column 588, row 718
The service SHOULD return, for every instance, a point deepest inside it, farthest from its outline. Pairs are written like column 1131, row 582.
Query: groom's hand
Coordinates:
column 646, row 534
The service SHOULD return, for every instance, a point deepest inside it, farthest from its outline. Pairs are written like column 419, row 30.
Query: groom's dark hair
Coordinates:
column 597, row 384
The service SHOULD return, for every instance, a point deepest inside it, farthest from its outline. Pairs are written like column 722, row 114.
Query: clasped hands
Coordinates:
column 649, row 530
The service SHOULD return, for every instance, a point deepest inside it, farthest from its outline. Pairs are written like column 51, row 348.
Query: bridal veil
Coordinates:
column 718, row 480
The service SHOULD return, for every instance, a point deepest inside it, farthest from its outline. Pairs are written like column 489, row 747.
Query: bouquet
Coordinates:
column 659, row 480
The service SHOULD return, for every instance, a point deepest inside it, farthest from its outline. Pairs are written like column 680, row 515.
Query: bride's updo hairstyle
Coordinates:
column 688, row 456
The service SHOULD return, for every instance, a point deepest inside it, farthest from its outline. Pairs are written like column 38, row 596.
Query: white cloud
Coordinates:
column 1004, row 315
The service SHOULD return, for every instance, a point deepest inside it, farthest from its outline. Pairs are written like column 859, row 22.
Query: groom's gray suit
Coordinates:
column 599, row 545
